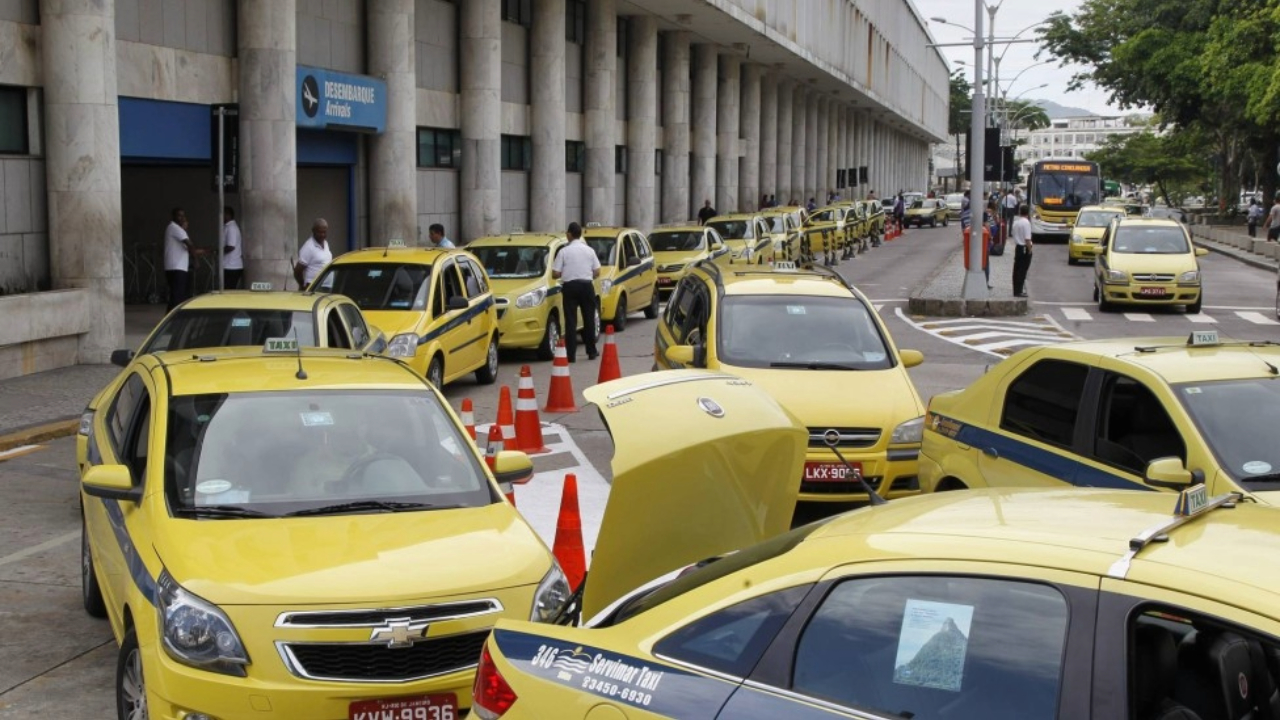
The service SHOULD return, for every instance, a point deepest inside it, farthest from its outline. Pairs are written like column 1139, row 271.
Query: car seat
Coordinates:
column 1155, row 666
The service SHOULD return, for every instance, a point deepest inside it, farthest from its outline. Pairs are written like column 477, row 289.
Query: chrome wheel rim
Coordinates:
column 435, row 375
column 553, row 334
column 133, row 689
column 493, row 357
column 86, row 564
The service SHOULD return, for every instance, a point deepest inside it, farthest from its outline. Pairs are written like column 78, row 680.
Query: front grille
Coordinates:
column 370, row 618
column 1152, row 277
column 849, row 437
column 359, row 662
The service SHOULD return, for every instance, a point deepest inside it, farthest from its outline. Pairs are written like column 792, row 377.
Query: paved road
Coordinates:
column 56, row 662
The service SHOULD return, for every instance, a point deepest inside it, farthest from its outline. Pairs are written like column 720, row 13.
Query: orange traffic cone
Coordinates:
column 469, row 419
column 491, row 450
column 506, row 420
column 528, row 424
column 568, row 547
column 609, row 367
column 560, row 396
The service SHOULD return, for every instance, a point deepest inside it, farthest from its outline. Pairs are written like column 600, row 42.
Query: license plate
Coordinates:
column 831, row 472
column 666, row 281
column 424, row 707
column 1152, row 292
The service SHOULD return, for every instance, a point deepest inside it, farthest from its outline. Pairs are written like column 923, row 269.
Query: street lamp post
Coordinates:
column 975, row 280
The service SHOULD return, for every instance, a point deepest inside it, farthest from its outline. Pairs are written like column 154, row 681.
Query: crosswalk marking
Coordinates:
column 1256, row 318
column 1076, row 314
column 1201, row 319
column 1139, row 317
column 993, row 336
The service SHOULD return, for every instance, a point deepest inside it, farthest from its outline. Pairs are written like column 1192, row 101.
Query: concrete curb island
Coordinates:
column 940, row 294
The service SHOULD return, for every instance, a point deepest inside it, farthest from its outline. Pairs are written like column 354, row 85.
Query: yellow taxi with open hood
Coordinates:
column 299, row 533
column 679, row 246
column 435, row 305
column 817, row 344
column 628, row 273
column 1087, row 233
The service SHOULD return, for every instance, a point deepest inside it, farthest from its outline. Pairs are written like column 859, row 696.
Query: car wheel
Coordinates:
column 949, row 484
column 1278, row 303
column 1103, row 305
column 547, row 350
column 1194, row 308
column 933, row 223
column 946, row 221
column 487, row 374
column 651, row 312
column 620, row 315
column 131, row 688
column 435, row 372
column 90, row 591
column 599, row 322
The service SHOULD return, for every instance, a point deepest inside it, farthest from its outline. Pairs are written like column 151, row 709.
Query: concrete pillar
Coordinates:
column 547, row 116
column 642, row 104
column 842, row 144
column 749, row 165
column 705, row 70
column 810, row 147
column 480, row 70
column 820, row 185
column 728, row 125
column 799, row 123
column 82, row 165
column 675, row 127
column 601, row 117
column 785, row 127
column 393, row 169
column 769, row 134
column 833, row 143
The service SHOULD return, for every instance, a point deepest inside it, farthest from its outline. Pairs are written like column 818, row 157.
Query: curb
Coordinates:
column 43, row 432
column 1249, row 259
column 930, row 306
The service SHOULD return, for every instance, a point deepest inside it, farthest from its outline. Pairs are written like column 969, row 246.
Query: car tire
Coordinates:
column 1194, row 308
column 933, row 222
column 547, row 349
column 131, row 687
column 488, row 373
column 949, row 484
column 435, row 372
column 620, row 315
column 90, row 590
column 1103, row 305
column 651, row 312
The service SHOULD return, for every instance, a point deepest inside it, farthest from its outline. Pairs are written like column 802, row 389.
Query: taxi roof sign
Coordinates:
column 1203, row 338
column 280, row 345
column 395, row 243
column 261, row 287
column 784, row 266
column 1192, row 501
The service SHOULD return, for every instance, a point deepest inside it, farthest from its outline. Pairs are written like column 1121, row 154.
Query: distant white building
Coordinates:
column 1070, row 137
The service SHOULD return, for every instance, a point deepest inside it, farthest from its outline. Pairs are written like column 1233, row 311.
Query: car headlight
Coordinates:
column 605, row 286
column 195, row 632
column 404, row 345
column 911, row 431
column 1117, row 276
column 551, row 596
column 533, row 298
column 1190, row 276
column 86, row 423
column 1077, row 239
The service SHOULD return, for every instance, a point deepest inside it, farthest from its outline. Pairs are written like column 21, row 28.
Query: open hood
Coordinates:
column 704, row 464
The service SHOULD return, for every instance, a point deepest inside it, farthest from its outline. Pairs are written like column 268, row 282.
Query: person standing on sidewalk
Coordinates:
column 1010, row 204
column 177, row 258
column 1273, row 221
column 1254, row 215
column 232, row 250
column 577, row 267
column 313, row 255
column 1021, row 234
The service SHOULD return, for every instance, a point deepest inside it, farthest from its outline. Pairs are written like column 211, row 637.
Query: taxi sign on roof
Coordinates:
column 280, row 345
column 1192, row 501
column 784, row 266
column 261, row 287
column 395, row 243
column 1203, row 338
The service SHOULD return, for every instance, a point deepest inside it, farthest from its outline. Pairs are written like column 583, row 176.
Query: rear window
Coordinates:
column 227, row 327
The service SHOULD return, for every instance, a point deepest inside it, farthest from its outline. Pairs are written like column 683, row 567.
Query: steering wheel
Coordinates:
column 357, row 468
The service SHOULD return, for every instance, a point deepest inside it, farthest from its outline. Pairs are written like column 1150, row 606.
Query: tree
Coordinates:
column 1024, row 115
column 1172, row 163
column 959, row 119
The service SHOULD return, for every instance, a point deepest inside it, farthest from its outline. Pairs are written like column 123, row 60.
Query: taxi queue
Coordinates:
column 306, row 543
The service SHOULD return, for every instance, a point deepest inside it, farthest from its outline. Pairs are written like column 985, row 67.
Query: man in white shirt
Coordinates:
column 177, row 258
column 1021, row 234
column 232, row 251
column 313, row 255
column 436, row 234
column 577, row 267
column 1010, row 202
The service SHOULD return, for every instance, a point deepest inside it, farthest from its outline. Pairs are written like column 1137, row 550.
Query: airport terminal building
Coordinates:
column 385, row 116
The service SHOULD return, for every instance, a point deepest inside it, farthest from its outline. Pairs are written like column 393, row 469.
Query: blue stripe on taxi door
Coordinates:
column 467, row 315
column 137, row 569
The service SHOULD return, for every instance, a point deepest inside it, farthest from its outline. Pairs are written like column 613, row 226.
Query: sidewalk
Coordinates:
column 1234, row 242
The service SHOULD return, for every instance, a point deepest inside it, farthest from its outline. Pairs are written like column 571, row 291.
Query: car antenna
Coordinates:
column 874, row 497
column 297, row 346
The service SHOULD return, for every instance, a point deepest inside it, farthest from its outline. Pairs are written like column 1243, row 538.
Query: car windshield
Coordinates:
column 228, row 327
column 1238, row 419
column 1067, row 191
column 918, row 205
column 279, row 453
column 800, row 331
column 379, row 286
column 1150, row 241
column 676, row 241
column 733, row 229
column 955, row 200
column 777, row 223
column 604, row 247
column 1096, row 218
column 824, row 216
column 512, row 261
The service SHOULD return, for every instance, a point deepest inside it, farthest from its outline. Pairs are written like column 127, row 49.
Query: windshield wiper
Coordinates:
column 359, row 505
column 813, row 365
column 1268, row 478
column 220, row 511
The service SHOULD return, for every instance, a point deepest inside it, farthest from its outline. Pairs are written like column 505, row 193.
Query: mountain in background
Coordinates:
column 940, row 661
column 1056, row 111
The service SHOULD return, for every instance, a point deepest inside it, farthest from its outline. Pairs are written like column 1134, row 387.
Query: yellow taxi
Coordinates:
column 1087, row 233
column 1147, row 261
column 926, row 211
column 873, row 218
column 783, row 232
column 436, row 305
column 299, row 533
column 832, row 232
column 1026, row 604
column 628, row 273
column 678, row 247
column 236, row 318
column 530, row 305
column 1134, row 413
column 746, row 234
column 807, row 337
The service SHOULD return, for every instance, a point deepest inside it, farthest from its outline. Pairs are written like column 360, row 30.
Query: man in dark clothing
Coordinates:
column 706, row 213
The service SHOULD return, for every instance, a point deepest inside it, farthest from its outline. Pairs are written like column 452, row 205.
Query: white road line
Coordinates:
column 1262, row 308
column 1003, row 323
column 879, row 307
column 1031, row 337
column 1072, row 313
column 989, row 347
column 21, row 450
column 1138, row 317
column 1045, row 331
column 1257, row 318
column 37, row 549
column 1033, row 334
column 1201, row 319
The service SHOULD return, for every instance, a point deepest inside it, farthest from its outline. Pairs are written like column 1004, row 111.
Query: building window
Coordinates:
column 575, row 26
column 13, row 120
column 575, row 156
column 517, row 152
column 439, row 148
column 620, row 159
column 519, row 12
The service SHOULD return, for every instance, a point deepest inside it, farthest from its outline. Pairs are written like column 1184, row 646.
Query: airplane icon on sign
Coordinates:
column 310, row 96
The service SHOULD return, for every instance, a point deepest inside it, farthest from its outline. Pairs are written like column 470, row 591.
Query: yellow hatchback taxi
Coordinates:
column 783, row 228
column 1140, row 413
column 435, row 305
column 678, row 247
column 817, row 345
column 1147, row 261
column 1000, row 604
column 745, row 234
column 628, row 273
column 832, row 230
column 927, row 211
column 530, row 304
column 1087, row 233
column 308, row 534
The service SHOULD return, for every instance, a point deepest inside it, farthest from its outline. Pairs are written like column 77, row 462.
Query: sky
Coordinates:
column 1012, row 17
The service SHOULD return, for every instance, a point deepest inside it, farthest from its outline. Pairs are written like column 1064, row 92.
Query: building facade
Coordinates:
column 385, row 116
column 1071, row 137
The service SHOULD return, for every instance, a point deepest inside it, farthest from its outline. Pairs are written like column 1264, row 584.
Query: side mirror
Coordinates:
column 680, row 355
column 511, row 466
column 911, row 358
column 379, row 341
column 1201, row 252
column 1168, row 472
column 111, row 482
column 717, row 246
column 634, row 261
column 457, row 302
column 121, row 357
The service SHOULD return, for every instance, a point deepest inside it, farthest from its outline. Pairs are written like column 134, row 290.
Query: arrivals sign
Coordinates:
column 328, row 99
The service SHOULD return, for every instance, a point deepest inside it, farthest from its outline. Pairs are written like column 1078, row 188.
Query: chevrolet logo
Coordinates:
column 399, row 633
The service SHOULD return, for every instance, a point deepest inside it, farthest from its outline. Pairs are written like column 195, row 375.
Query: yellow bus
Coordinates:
column 1057, row 189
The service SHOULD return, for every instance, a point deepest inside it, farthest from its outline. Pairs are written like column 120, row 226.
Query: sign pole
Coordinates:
column 222, row 196
column 975, row 281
